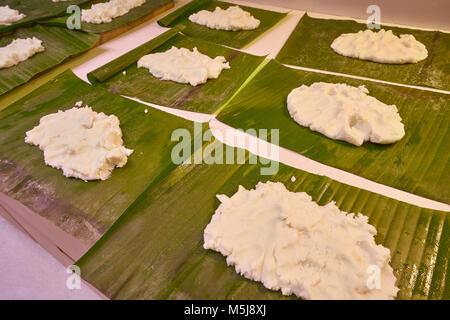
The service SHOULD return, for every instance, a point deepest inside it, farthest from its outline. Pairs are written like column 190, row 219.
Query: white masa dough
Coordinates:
column 105, row 12
column 183, row 66
column 9, row 15
column 81, row 142
column 290, row 243
column 344, row 112
column 19, row 50
column 233, row 18
column 382, row 46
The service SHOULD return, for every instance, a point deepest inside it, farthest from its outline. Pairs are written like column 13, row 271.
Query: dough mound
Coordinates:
column 9, row 16
column 231, row 19
column 105, row 12
column 344, row 112
column 81, row 142
column 290, row 243
column 183, row 66
column 19, row 50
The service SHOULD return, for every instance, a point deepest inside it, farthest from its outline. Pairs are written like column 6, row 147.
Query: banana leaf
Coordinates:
column 60, row 44
column 140, row 83
column 36, row 10
column 309, row 46
column 235, row 39
column 83, row 209
column 418, row 163
column 139, row 14
column 154, row 250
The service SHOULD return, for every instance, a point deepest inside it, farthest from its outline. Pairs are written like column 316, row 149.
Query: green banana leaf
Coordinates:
column 309, row 46
column 134, row 14
column 60, row 44
column 83, row 209
column 154, row 250
column 140, row 83
column 36, row 10
column 235, row 39
column 418, row 163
